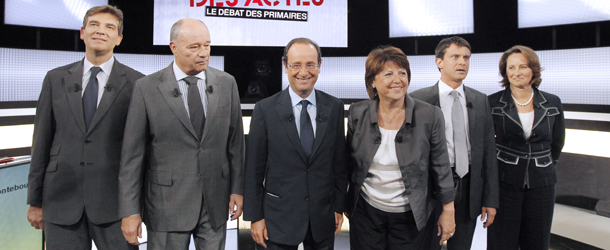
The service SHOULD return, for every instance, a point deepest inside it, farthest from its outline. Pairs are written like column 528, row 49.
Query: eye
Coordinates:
column 466, row 58
column 524, row 67
column 455, row 57
column 111, row 27
column 404, row 73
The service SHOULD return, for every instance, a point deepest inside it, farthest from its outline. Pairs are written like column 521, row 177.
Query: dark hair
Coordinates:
column 532, row 62
column 442, row 46
column 301, row 40
column 378, row 59
column 112, row 10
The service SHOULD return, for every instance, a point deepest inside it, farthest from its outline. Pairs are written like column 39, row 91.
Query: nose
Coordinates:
column 204, row 52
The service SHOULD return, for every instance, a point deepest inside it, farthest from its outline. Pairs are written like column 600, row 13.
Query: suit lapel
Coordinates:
column 286, row 116
column 472, row 112
column 323, row 107
column 117, row 82
column 167, row 87
column 509, row 108
column 73, row 85
column 540, row 112
column 212, row 99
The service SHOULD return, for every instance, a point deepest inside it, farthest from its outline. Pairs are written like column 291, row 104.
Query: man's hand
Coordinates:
column 490, row 213
column 259, row 232
column 132, row 229
column 35, row 216
column 338, row 222
column 236, row 206
column 446, row 222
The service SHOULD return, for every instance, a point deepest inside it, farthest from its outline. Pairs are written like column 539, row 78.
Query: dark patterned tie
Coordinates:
column 195, row 106
column 306, row 130
column 90, row 96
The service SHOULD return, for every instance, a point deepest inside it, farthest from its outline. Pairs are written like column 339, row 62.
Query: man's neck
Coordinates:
column 452, row 83
column 98, row 58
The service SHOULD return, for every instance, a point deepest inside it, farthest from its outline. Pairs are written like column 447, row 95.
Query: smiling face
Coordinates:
column 518, row 72
column 101, row 33
column 454, row 66
column 302, row 80
column 191, row 47
column 391, row 82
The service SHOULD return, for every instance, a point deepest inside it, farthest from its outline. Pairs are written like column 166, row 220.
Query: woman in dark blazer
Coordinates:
column 398, row 161
column 530, row 134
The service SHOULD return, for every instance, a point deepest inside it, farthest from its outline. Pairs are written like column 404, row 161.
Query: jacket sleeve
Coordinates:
column 491, row 191
column 440, row 171
column 236, row 143
column 559, row 133
column 340, row 168
column 256, row 164
column 44, row 133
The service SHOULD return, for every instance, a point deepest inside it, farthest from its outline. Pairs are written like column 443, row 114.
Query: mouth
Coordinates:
column 201, row 63
column 397, row 89
column 99, row 39
column 304, row 79
column 461, row 70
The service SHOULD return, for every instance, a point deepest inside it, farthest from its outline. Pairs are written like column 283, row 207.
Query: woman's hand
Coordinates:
column 446, row 222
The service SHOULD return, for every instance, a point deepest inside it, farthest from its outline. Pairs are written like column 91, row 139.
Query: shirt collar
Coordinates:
column 444, row 90
column 181, row 75
column 296, row 99
column 106, row 66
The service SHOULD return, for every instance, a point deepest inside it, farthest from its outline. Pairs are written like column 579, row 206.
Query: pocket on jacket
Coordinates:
column 226, row 170
column 52, row 166
column 163, row 179
column 552, row 111
column 273, row 195
column 507, row 158
column 54, row 150
column 544, row 162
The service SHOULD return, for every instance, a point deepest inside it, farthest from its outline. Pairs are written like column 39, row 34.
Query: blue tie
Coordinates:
column 306, row 130
column 90, row 96
column 196, row 111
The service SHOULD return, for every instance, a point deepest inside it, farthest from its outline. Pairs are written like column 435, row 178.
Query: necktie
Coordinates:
column 306, row 130
column 459, row 136
column 90, row 96
column 195, row 105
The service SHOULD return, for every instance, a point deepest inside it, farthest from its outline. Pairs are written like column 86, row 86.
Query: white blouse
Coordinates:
column 527, row 121
column 383, row 187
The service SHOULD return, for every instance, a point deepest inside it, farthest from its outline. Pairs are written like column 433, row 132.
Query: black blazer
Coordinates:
column 282, row 186
column 538, row 153
column 421, row 149
column 74, row 169
column 484, row 188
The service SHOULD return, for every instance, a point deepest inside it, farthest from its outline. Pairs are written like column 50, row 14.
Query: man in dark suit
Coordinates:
column 78, row 131
column 295, row 174
column 183, row 149
column 470, row 140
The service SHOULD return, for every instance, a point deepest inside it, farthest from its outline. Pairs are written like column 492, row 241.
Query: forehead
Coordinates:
column 516, row 58
column 457, row 50
column 194, row 32
column 391, row 65
column 302, row 52
column 103, row 18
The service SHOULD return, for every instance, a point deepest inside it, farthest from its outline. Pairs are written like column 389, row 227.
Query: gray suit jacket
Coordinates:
column 420, row 148
column 75, row 170
column 285, row 188
column 167, row 167
column 484, row 184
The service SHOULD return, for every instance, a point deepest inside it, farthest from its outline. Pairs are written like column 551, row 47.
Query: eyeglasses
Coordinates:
column 300, row 66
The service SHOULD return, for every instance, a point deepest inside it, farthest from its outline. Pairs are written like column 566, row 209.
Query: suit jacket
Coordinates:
column 535, row 155
column 282, row 186
column 72, row 169
column 484, row 187
column 166, row 165
column 421, row 151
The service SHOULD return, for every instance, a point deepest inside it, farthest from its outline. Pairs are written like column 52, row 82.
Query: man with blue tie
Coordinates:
column 295, row 178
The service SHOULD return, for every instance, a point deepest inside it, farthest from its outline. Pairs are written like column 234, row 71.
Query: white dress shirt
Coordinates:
column 184, row 88
column 446, row 101
column 102, row 76
column 312, row 109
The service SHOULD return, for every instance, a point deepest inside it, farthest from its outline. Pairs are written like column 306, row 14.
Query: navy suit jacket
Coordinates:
column 282, row 186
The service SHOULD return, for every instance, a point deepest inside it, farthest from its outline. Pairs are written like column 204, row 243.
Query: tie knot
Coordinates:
column 304, row 103
column 191, row 80
column 455, row 94
column 95, row 70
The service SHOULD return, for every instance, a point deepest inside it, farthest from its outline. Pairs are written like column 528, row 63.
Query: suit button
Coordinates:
column 82, row 163
column 87, row 141
column 306, row 198
column 199, row 175
column 200, row 149
column 309, row 170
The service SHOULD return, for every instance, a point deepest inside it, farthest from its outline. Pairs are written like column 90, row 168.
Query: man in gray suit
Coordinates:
column 296, row 179
column 470, row 141
column 183, row 149
column 78, row 131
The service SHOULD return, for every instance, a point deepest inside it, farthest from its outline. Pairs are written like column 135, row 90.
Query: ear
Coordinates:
column 82, row 31
column 439, row 63
column 286, row 70
column 172, row 46
column 118, row 41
